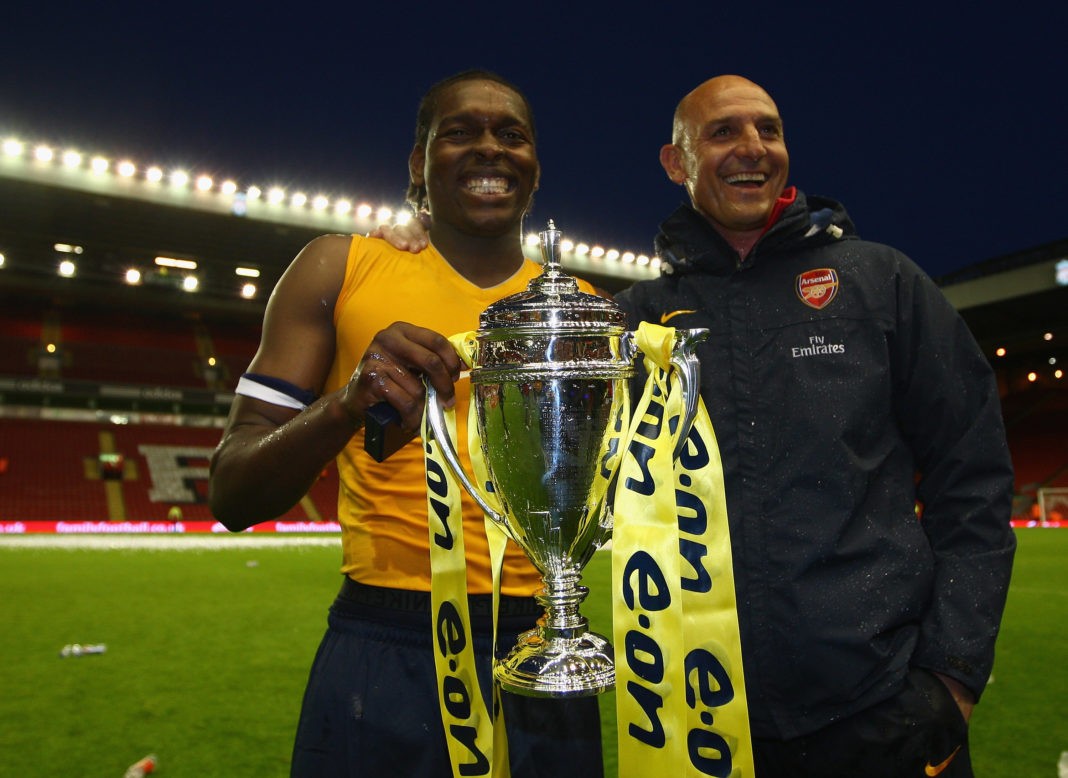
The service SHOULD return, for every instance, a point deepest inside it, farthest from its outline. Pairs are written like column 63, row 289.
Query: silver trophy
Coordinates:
column 550, row 385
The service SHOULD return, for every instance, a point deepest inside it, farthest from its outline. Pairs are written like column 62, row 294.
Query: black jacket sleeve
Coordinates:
column 949, row 410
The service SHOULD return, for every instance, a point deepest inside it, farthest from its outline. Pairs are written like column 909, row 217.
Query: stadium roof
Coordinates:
column 119, row 216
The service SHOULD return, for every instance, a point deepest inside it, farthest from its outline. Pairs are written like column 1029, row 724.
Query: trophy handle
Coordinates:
column 436, row 419
column 684, row 360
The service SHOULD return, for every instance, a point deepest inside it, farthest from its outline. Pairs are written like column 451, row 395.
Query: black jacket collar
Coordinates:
column 687, row 241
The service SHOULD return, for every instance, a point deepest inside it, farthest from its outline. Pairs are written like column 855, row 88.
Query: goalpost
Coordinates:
column 1053, row 504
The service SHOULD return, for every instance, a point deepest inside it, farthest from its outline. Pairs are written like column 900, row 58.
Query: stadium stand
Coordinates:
column 125, row 348
column 1037, row 425
column 232, row 344
column 46, row 476
column 82, row 343
column 59, row 471
column 51, row 469
column 21, row 334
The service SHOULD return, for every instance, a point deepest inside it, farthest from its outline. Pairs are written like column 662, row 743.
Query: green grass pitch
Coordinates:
column 208, row 651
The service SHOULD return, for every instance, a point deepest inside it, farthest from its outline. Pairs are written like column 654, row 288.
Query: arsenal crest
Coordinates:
column 817, row 288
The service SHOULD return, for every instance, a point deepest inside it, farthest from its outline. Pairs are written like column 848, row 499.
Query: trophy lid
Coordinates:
column 553, row 299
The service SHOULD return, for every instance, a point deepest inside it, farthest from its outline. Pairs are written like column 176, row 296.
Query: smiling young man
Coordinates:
column 835, row 373
column 353, row 323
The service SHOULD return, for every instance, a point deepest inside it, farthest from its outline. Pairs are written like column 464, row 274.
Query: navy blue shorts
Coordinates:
column 919, row 732
column 371, row 705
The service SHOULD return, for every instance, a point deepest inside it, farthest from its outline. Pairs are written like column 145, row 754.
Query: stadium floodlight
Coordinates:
column 1061, row 272
column 179, row 179
column 181, row 264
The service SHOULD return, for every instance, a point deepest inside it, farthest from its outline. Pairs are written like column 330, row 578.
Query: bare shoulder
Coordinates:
column 297, row 344
column 321, row 261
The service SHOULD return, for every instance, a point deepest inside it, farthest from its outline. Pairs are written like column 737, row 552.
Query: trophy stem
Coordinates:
column 560, row 657
column 561, row 598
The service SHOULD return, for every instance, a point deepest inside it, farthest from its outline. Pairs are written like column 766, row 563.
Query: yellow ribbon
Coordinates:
column 477, row 741
column 680, row 690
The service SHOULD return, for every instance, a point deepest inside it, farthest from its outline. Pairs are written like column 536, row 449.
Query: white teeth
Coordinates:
column 488, row 185
column 745, row 178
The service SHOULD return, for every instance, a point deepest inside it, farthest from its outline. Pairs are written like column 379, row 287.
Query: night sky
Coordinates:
column 940, row 126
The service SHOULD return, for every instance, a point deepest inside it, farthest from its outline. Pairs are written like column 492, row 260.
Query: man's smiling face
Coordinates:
column 479, row 166
column 729, row 153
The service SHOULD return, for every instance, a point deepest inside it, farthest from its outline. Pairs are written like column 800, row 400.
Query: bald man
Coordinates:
column 867, row 476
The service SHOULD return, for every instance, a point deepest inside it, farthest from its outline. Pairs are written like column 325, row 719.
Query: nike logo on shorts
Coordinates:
column 936, row 769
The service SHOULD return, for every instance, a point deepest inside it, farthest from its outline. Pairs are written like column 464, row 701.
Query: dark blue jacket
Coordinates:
column 843, row 389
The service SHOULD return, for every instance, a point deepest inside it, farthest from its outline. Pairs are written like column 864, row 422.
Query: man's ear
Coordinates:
column 671, row 161
column 416, row 163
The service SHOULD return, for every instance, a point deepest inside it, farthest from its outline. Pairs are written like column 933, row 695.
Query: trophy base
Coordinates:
column 558, row 667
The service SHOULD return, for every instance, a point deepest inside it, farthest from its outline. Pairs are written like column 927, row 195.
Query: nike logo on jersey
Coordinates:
column 936, row 769
column 666, row 317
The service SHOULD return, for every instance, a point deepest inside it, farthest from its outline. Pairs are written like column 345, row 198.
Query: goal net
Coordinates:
column 1053, row 505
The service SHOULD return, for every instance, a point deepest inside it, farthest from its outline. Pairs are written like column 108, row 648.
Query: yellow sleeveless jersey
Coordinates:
column 382, row 507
